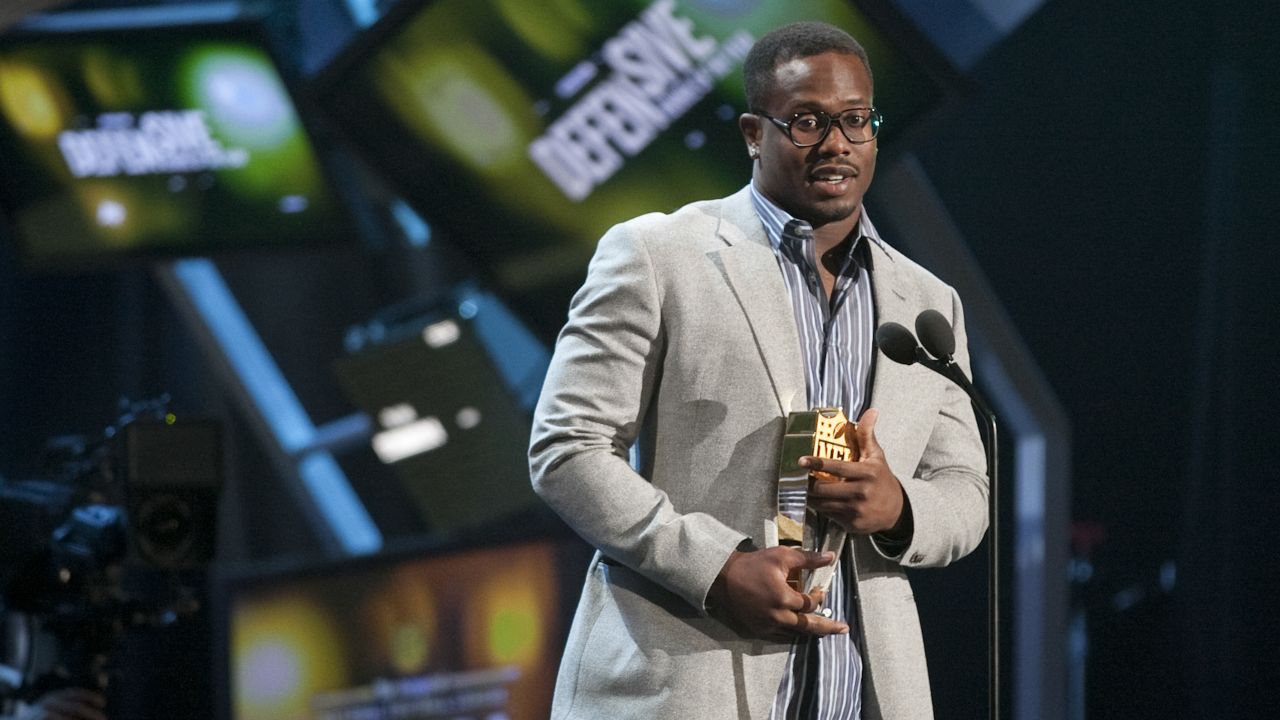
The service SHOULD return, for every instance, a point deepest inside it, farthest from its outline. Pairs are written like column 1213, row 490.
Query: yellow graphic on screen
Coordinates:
column 505, row 622
column 557, row 29
column 113, row 81
column 33, row 102
column 284, row 650
column 401, row 617
column 459, row 98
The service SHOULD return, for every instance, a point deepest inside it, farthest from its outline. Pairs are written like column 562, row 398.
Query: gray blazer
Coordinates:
column 681, row 348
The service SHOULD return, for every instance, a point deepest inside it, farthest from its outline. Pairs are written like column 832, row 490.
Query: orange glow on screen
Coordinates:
column 283, row 650
column 357, row 635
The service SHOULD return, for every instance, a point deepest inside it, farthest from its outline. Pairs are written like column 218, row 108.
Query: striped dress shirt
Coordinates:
column 823, row 680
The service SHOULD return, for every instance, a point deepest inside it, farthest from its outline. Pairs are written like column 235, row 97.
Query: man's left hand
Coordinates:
column 863, row 496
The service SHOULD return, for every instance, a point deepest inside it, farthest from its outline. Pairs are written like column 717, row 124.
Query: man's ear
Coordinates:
column 752, row 132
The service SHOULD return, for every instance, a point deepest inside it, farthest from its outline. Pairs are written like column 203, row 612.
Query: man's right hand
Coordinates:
column 752, row 595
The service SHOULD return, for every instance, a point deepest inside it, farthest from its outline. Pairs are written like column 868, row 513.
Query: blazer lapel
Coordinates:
column 751, row 271
column 892, row 384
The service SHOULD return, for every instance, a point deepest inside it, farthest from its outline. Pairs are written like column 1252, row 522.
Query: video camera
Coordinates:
column 109, row 539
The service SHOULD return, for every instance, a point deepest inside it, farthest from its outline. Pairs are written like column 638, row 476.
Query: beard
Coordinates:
column 823, row 214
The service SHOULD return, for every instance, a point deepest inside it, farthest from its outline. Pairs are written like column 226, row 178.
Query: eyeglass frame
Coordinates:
column 874, row 118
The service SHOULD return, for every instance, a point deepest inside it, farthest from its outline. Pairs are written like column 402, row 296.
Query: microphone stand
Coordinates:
column 993, row 550
column 948, row 368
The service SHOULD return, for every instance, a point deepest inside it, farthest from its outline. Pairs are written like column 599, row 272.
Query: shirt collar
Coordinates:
column 775, row 219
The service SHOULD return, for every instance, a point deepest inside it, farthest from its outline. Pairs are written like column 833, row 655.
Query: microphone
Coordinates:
column 936, row 334
column 939, row 339
column 897, row 343
column 900, row 346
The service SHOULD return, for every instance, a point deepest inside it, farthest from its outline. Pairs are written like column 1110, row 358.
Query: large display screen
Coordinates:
column 465, row 634
column 174, row 141
column 526, row 128
column 444, row 423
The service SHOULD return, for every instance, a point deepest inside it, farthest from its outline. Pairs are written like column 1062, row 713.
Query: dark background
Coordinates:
column 1113, row 170
column 1114, row 174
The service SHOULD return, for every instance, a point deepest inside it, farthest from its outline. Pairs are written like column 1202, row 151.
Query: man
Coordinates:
column 692, row 338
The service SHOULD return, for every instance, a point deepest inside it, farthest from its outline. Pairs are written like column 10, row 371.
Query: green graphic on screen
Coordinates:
column 177, row 142
column 527, row 129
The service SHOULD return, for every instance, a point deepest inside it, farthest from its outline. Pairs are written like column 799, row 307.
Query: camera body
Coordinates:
column 112, row 540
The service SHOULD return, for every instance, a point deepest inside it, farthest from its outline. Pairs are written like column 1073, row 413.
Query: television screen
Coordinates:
column 444, row 423
column 525, row 129
column 468, row 633
column 171, row 141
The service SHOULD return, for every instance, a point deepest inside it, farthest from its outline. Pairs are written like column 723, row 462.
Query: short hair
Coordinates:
column 796, row 40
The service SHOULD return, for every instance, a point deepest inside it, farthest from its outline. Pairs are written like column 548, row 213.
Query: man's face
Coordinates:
column 821, row 184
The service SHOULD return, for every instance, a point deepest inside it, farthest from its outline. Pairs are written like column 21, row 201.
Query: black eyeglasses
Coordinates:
column 807, row 129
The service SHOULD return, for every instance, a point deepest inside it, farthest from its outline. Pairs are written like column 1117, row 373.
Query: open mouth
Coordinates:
column 833, row 176
column 833, row 181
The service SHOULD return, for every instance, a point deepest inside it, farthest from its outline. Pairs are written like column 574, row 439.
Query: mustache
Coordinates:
column 842, row 168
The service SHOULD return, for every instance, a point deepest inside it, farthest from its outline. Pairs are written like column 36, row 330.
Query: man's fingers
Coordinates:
column 852, row 487
column 805, row 602
column 833, row 470
column 865, row 431
column 818, row 626
column 809, row 560
column 793, row 622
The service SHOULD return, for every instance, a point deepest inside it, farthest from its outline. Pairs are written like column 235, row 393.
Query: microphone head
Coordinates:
column 936, row 334
column 897, row 343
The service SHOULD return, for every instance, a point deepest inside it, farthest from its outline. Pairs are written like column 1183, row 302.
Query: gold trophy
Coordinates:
column 824, row 433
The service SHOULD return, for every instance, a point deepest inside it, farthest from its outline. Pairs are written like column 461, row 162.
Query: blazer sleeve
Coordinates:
column 603, row 376
column 947, row 493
